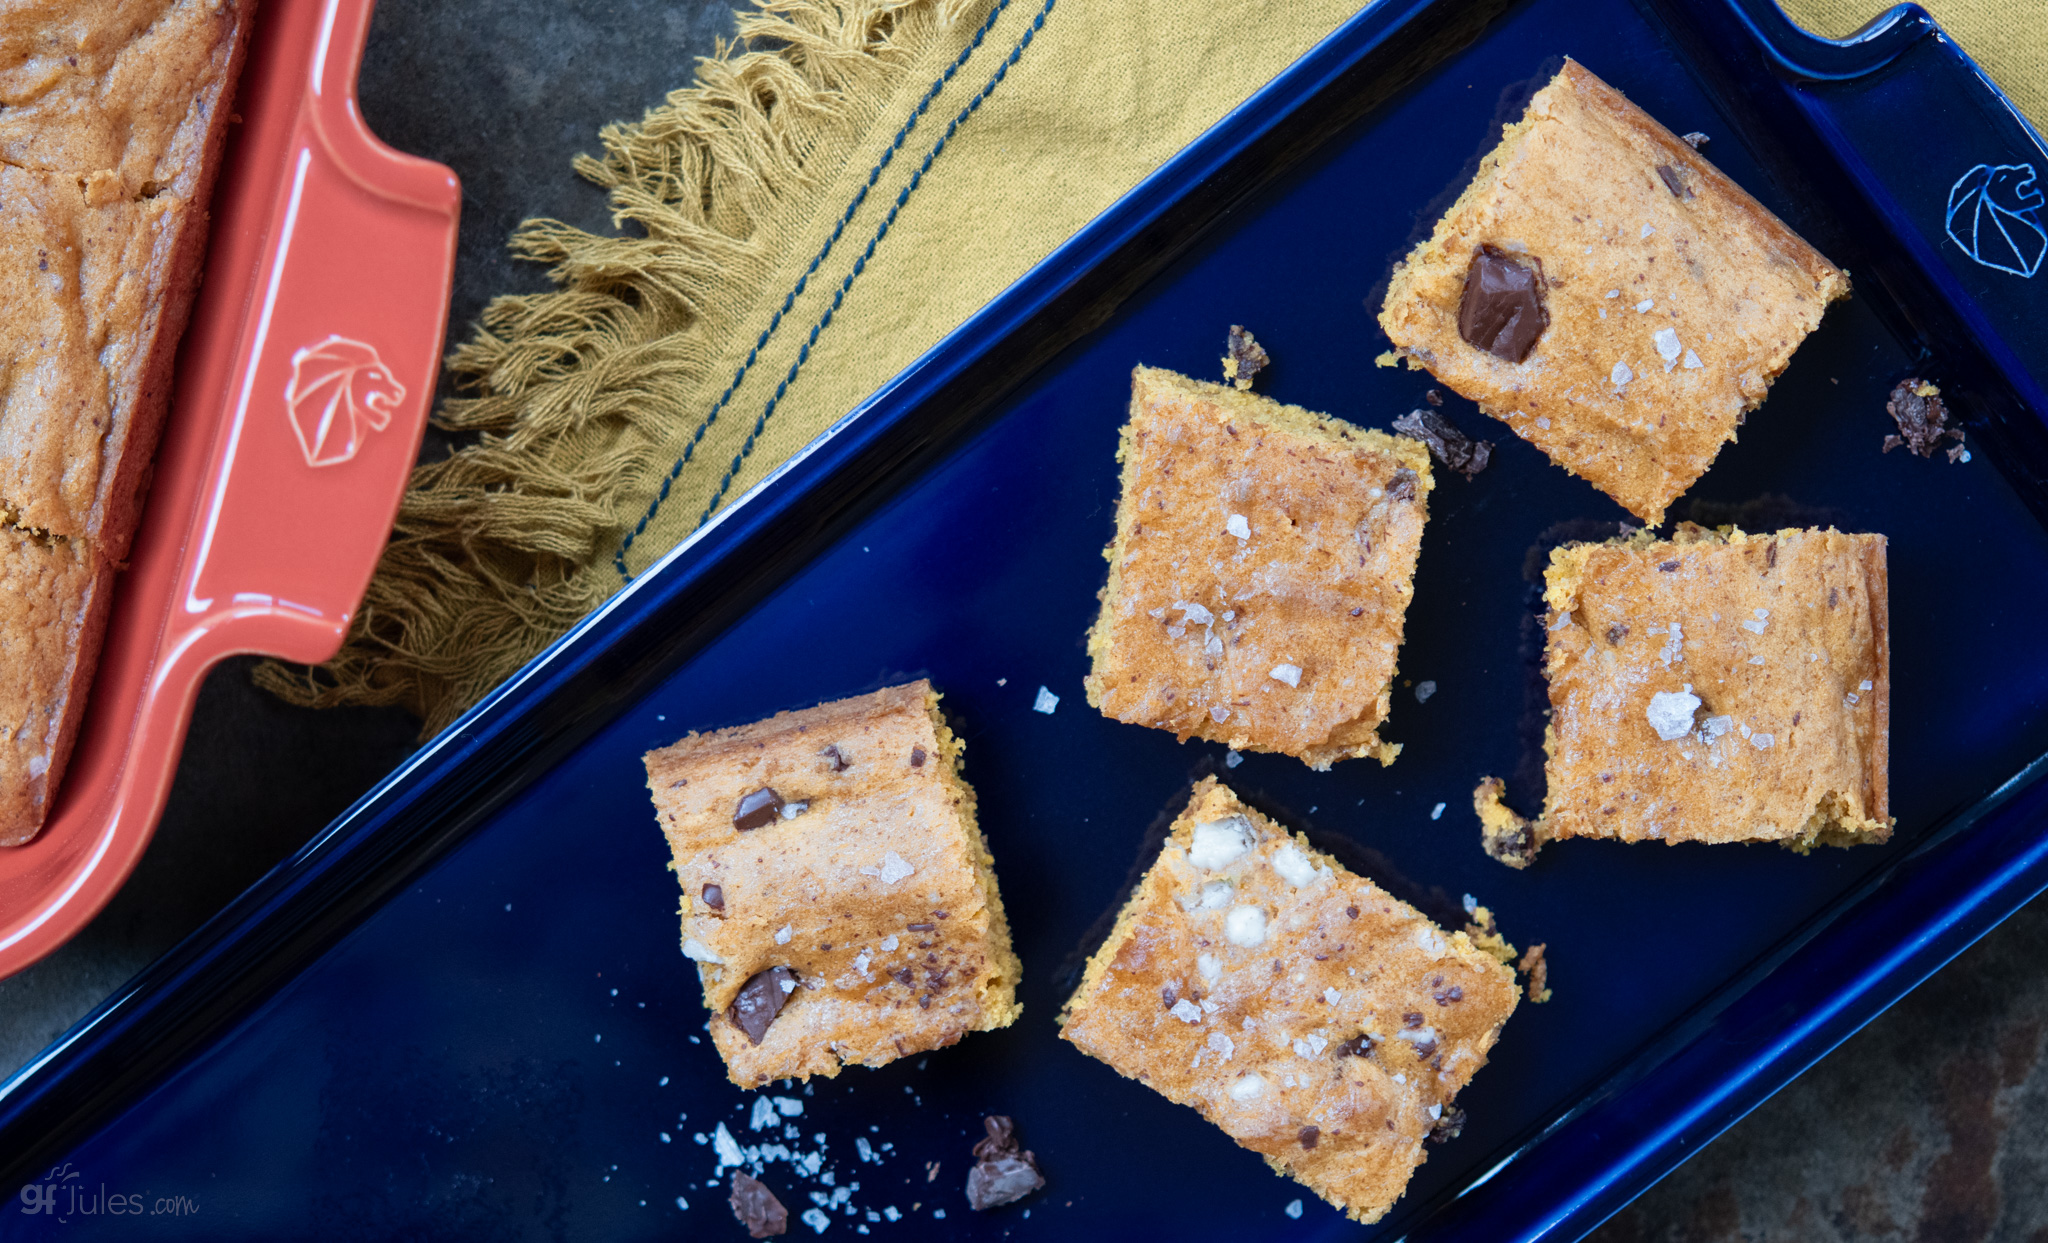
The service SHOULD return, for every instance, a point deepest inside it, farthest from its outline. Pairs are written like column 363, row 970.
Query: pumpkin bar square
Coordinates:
column 838, row 897
column 1715, row 687
column 1320, row 1022
column 1260, row 575
column 1609, row 294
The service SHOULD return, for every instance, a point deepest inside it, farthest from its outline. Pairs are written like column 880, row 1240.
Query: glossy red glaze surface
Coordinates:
column 302, row 389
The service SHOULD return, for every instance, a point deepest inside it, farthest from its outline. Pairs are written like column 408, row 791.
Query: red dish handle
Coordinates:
column 302, row 391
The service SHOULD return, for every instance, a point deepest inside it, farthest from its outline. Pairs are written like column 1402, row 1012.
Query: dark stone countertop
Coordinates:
column 1930, row 1125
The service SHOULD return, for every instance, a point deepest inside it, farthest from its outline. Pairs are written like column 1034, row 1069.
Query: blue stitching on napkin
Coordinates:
column 803, row 282
column 861, row 263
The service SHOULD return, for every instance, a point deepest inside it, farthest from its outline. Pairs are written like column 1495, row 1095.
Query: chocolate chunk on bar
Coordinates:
column 1714, row 687
column 1609, row 294
column 1320, row 1022
column 1004, row 1171
column 1261, row 572
column 841, row 908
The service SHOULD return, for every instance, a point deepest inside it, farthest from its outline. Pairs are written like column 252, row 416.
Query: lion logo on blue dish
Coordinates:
column 1994, row 214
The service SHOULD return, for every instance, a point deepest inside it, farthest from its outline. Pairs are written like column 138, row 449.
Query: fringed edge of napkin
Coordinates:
column 573, row 393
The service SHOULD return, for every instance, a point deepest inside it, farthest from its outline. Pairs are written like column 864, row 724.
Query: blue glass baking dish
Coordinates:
column 462, row 1010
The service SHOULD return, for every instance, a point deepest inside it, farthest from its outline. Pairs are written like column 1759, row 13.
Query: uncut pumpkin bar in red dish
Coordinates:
column 839, row 899
column 113, row 114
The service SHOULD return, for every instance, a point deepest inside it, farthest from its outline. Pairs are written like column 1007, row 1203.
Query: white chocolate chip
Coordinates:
column 1293, row 865
column 1219, row 843
column 1215, row 895
column 1247, row 1088
column 697, row 950
column 1245, row 926
column 1670, row 713
column 1290, row 674
column 1209, row 966
column 1238, row 526
column 791, row 811
column 783, row 934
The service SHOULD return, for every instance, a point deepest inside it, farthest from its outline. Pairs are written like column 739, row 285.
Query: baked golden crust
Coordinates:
column 112, row 118
column 102, row 228
column 880, row 895
column 1617, row 212
column 1782, row 638
column 53, row 596
column 1261, row 1036
column 1201, row 626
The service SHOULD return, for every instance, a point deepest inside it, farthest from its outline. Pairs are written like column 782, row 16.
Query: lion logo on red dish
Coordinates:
column 340, row 392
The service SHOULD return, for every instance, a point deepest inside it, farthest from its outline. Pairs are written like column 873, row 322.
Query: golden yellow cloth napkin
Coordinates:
column 803, row 222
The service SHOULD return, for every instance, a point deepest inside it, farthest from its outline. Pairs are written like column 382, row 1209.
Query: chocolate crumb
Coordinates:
column 1351, row 912
column 902, row 975
column 1433, row 397
column 837, row 758
column 1357, row 611
column 1674, row 181
column 1448, row 1127
column 1358, row 1046
column 756, row 1207
column 1448, row 445
column 760, row 1000
column 714, row 897
column 1501, row 310
column 1309, row 1136
column 1796, row 716
column 1403, row 486
column 1412, row 1019
column 924, row 1001
column 1771, row 555
column 1170, row 993
column 678, row 783
column 1668, row 566
column 761, row 807
column 917, row 757
column 1538, row 972
column 1834, row 596
column 1695, row 140
column 940, row 915
column 1424, row 1050
column 1449, row 995
column 922, row 927
column 1004, row 1172
column 1245, row 359
column 1916, row 406
column 1957, row 451
column 1615, row 632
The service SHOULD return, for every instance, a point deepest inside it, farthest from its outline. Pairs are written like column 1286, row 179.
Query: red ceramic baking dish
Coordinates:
column 302, row 389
